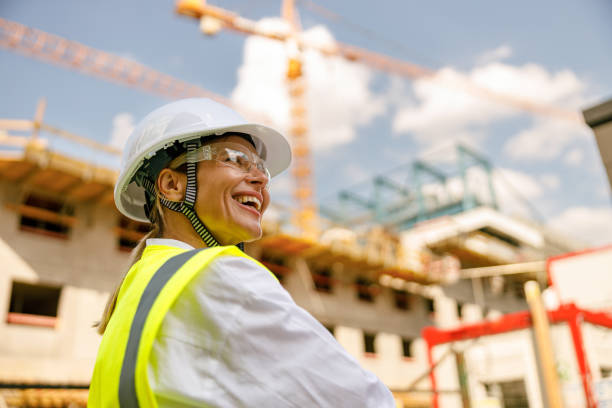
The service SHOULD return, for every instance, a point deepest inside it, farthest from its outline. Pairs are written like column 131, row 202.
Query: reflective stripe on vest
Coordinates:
column 127, row 381
column 150, row 289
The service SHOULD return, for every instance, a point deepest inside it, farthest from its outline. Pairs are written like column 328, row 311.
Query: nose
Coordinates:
column 258, row 177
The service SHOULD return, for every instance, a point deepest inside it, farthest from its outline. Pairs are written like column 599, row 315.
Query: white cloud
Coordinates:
column 338, row 99
column 604, row 191
column 511, row 189
column 354, row 173
column 516, row 191
column 261, row 84
column 592, row 225
column 545, row 140
column 498, row 54
column 574, row 157
column 123, row 125
column 443, row 112
column 445, row 152
column 550, row 181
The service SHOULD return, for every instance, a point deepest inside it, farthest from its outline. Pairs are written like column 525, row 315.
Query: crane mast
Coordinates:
column 87, row 60
column 212, row 20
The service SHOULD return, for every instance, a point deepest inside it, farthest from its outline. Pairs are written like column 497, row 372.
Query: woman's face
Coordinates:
column 227, row 198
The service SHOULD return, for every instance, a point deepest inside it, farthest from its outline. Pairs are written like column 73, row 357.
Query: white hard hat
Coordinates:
column 181, row 121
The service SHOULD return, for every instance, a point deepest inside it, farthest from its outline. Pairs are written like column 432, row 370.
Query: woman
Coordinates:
column 196, row 322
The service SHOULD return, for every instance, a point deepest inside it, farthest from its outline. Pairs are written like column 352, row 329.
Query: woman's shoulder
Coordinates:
column 240, row 269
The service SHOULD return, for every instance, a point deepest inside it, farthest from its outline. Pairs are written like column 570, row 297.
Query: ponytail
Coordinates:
column 157, row 230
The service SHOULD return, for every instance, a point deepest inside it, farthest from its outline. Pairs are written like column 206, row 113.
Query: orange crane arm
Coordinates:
column 232, row 21
column 70, row 54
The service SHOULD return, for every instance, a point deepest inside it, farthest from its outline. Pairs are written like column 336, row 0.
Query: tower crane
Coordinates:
column 213, row 19
column 87, row 60
column 123, row 71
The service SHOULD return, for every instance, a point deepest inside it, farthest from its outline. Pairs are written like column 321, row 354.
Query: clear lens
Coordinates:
column 230, row 154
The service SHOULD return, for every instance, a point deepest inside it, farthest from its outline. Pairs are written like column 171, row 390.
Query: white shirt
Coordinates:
column 235, row 338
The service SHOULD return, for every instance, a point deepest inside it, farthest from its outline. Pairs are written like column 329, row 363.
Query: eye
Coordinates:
column 231, row 156
column 240, row 158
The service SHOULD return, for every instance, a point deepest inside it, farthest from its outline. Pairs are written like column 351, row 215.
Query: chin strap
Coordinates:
column 186, row 207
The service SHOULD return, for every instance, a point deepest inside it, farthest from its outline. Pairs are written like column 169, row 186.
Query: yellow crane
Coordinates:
column 213, row 19
column 90, row 61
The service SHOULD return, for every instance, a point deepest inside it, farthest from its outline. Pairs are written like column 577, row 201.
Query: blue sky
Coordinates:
column 364, row 122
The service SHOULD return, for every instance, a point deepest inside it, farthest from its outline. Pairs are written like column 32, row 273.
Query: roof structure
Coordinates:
column 599, row 118
column 38, row 167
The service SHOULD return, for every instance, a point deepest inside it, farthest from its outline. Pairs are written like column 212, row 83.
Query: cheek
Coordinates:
column 266, row 200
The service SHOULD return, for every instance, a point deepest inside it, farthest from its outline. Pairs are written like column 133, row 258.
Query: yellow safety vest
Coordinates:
column 150, row 288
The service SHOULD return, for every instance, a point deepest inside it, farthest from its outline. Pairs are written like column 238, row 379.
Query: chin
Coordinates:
column 250, row 233
column 253, row 236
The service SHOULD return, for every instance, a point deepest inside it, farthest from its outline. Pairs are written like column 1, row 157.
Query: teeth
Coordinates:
column 243, row 199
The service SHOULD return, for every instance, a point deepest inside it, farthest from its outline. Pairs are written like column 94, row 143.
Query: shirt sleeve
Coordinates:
column 235, row 338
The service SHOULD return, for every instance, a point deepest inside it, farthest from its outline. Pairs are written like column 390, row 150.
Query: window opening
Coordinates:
column 368, row 342
column 322, row 279
column 277, row 265
column 512, row 394
column 365, row 289
column 130, row 232
column 516, row 287
column 46, row 216
column 33, row 304
column 406, row 347
column 429, row 305
column 402, row 299
column 459, row 309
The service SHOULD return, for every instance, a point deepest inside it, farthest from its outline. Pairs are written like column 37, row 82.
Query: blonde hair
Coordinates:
column 157, row 230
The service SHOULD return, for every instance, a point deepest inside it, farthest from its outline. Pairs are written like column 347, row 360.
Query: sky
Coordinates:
column 363, row 122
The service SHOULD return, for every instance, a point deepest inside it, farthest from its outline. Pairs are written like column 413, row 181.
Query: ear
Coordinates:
column 172, row 184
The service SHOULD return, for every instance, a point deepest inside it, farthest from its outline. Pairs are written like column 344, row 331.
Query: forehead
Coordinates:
column 234, row 139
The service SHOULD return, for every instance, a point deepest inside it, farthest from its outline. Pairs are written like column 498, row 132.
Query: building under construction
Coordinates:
column 426, row 293
column 422, row 283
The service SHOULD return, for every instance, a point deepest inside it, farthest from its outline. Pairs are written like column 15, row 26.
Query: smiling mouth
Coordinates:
column 249, row 201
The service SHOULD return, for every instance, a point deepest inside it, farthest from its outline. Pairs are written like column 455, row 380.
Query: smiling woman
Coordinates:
column 196, row 321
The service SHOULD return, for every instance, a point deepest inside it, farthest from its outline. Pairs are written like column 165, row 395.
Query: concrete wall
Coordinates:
column 64, row 354
column 342, row 306
column 505, row 302
column 87, row 265
column 87, row 258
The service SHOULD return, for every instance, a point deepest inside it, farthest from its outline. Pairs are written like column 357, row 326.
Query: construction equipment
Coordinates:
column 87, row 60
column 387, row 200
column 69, row 54
column 223, row 18
column 213, row 19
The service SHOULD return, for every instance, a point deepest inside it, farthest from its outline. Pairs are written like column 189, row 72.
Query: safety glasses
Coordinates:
column 229, row 154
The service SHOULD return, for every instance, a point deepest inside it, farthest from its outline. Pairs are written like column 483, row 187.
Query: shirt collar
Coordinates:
column 169, row 242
